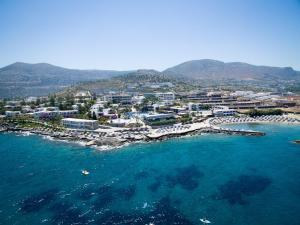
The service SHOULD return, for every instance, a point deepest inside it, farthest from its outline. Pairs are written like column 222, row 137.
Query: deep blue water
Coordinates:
column 234, row 180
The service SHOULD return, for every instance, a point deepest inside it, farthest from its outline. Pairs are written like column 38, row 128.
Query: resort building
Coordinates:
column 165, row 96
column 30, row 99
column 285, row 103
column 178, row 109
column 97, row 109
column 83, row 96
column 26, row 109
column 159, row 117
column 119, row 122
column 138, row 99
column 41, row 115
column 49, row 114
column 83, row 124
column 223, row 111
column 195, row 106
column 68, row 113
column 162, row 96
column 124, row 99
column 109, row 113
column 12, row 113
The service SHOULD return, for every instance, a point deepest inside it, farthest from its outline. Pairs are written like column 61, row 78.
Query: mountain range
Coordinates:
column 23, row 79
column 213, row 69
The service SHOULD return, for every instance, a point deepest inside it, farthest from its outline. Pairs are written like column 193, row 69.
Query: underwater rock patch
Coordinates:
column 107, row 194
column 186, row 177
column 103, row 200
column 155, row 186
column 66, row 213
column 36, row 202
column 86, row 193
column 163, row 214
column 141, row 175
column 234, row 191
column 126, row 193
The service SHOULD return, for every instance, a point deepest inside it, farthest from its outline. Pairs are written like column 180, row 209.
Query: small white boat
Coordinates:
column 203, row 220
column 85, row 172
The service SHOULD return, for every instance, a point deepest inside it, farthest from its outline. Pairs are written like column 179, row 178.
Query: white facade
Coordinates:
column 195, row 106
column 223, row 111
column 97, row 109
column 80, row 124
column 118, row 98
column 44, row 114
column 12, row 113
column 138, row 99
column 165, row 96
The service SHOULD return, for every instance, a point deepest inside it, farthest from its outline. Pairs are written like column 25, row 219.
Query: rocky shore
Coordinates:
column 110, row 137
column 88, row 138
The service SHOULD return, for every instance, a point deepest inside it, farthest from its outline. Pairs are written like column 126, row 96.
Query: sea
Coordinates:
column 221, row 179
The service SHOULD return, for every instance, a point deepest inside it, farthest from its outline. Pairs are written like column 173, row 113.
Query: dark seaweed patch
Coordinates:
column 126, row 193
column 163, row 214
column 154, row 186
column 107, row 194
column 245, row 185
column 66, row 213
column 103, row 200
column 36, row 202
column 141, row 175
column 104, row 189
column 185, row 177
column 86, row 193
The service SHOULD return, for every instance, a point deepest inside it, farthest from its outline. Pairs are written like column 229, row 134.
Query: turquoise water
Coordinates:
column 226, row 179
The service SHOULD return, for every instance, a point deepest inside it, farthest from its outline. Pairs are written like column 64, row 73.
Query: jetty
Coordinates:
column 196, row 128
column 229, row 131
column 175, row 130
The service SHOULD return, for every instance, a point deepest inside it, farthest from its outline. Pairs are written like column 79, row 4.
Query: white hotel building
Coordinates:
column 83, row 124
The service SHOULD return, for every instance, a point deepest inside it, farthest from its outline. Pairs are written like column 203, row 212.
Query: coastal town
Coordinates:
column 113, row 119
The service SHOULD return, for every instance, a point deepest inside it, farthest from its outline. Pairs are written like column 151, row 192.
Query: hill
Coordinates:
column 135, row 81
column 214, row 70
column 24, row 79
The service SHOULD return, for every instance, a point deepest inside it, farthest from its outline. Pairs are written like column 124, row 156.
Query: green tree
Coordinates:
column 52, row 100
column 2, row 109
column 38, row 101
column 94, row 117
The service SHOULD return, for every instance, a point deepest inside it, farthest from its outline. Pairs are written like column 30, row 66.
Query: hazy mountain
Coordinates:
column 43, row 73
column 213, row 69
column 23, row 79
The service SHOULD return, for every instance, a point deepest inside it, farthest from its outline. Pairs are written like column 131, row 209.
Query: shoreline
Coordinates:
column 118, row 138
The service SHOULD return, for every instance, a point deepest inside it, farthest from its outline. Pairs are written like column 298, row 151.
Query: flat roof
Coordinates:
column 159, row 115
column 78, row 120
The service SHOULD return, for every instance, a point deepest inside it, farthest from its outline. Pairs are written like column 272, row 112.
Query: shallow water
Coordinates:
column 226, row 179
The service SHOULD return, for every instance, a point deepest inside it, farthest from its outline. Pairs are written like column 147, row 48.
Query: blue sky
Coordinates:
column 132, row 34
